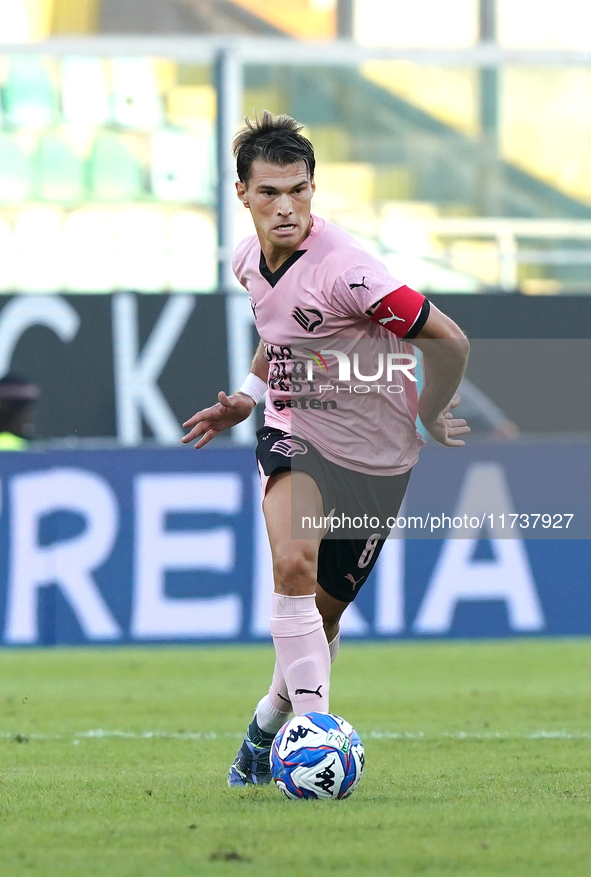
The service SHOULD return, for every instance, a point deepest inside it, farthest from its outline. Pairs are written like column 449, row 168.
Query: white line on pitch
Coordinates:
column 100, row 733
column 470, row 735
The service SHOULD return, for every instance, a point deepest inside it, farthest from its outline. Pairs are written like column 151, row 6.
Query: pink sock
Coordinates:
column 302, row 652
column 278, row 694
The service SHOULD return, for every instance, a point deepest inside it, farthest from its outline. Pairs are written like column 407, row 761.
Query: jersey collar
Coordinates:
column 273, row 277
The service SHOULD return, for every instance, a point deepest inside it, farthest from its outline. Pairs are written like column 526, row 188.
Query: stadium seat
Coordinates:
column 182, row 166
column 39, row 253
column 187, row 103
column 15, row 170
column 331, row 142
column 332, row 195
column 60, row 172
column 69, row 18
column 193, row 248
column 136, row 100
column 30, row 99
column 115, row 172
column 141, row 241
column 271, row 95
column 91, row 255
column 85, row 94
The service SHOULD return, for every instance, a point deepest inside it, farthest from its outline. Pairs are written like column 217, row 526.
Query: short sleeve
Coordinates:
column 359, row 288
column 240, row 258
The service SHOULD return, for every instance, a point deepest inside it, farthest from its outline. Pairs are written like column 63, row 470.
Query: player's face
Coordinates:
column 279, row 199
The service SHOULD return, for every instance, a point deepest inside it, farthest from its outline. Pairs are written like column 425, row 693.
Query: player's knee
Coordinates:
column 295, row 572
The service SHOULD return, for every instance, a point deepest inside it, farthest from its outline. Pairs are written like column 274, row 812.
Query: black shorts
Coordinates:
column 348, row 554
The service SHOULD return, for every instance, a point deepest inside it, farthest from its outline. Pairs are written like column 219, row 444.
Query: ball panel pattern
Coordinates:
column 318, row 755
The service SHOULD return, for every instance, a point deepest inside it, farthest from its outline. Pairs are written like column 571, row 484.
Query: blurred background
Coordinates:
column 462, row 131
column 453, row 140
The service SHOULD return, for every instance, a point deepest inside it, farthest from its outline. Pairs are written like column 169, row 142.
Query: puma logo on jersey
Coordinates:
column 289, row 447
column 308, row 318
column 358, row 285
column 385, row 320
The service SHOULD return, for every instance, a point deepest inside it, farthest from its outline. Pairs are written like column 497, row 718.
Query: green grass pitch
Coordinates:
column 113, row 762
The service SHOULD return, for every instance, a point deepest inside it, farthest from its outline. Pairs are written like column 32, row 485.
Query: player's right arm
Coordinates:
column 229, row 410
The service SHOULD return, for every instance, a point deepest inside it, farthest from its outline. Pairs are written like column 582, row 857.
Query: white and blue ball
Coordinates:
column 318, row 755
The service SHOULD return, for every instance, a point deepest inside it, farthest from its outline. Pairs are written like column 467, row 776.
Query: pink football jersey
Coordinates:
column 337, row 379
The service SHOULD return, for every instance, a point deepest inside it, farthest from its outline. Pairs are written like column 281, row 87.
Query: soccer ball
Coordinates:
column 318, row 755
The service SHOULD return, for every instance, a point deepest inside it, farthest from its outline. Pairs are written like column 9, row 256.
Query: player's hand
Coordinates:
column 446, row 427
column 229, row 411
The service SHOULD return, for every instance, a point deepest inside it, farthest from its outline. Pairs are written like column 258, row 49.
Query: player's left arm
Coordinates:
column 445, row 351
column 410, row 316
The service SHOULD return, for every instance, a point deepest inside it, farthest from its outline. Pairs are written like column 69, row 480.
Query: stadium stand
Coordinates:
column 81, row 130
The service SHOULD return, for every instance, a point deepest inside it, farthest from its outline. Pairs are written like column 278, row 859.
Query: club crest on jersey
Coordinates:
column 289, row 447
column 308, row 318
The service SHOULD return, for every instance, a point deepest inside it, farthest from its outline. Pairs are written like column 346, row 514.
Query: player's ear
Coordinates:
column 241, row 192
column 313, row 185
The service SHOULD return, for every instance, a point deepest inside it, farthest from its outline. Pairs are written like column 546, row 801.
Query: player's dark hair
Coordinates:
column 275, row 139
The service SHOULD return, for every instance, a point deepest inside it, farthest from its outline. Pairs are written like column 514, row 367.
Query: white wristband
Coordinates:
column 254, row 387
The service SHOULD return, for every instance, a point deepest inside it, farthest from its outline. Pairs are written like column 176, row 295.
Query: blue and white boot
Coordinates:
column 251, row 766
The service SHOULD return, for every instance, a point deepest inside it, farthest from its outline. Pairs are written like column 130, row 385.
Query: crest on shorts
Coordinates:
column 289, row 447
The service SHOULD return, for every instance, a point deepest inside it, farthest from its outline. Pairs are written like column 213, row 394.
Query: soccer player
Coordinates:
column 17, row 397
column 311, row 283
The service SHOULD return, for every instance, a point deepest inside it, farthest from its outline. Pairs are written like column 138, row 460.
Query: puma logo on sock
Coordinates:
column 308, row 691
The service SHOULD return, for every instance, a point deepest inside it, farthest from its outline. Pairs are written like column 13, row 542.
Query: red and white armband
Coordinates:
column 403, row 312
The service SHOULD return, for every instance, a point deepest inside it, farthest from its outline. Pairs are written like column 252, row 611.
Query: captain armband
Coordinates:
column 403, row 312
